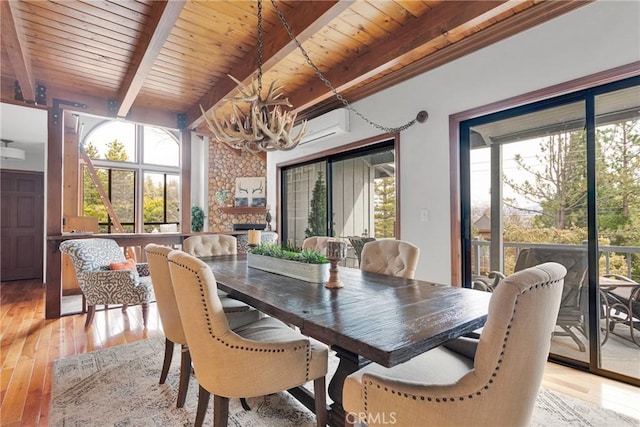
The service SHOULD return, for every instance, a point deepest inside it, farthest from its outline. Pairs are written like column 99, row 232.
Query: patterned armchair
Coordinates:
column 92, row 260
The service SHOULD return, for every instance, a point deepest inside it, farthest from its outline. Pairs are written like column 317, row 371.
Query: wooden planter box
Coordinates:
column 314, row 273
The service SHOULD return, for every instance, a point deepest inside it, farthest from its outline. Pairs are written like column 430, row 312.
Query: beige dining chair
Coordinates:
column 317, row 243
column 210, row 245
column 238, row 314
column 391, row 257
column 496, row 388
column 260, row 358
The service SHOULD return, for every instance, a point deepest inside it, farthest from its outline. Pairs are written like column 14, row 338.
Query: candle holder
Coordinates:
column 336, row 252
column 253, row 238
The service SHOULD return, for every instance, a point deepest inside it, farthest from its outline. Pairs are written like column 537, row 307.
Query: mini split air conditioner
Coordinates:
column 332, row 123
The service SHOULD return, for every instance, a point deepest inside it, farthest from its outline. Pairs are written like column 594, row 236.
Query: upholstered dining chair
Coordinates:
column 391, row 257
column 237, row 312
column 497, row 387
column 317, row 243
column 259, row 358
column 210, row 245
column 170, row 317
column 106, row 277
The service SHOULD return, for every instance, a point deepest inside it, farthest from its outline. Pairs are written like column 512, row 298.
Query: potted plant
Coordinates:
column 197, row 219
column 307, row 264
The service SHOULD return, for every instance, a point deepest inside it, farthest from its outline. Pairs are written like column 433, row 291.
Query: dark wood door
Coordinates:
column 22, row 225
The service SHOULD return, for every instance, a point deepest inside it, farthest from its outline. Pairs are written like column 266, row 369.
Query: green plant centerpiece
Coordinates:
column 308, row 265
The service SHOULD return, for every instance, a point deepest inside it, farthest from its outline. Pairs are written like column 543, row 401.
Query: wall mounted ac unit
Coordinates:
column 332, row 123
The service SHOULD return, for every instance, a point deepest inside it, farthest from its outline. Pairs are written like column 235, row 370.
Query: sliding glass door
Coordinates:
column 559, row 181
column 305, row 202
column 342, row 195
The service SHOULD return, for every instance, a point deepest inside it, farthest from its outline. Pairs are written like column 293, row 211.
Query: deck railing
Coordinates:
column 480, row 251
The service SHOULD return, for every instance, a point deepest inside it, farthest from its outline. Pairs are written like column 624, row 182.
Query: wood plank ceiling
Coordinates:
column 148, row 56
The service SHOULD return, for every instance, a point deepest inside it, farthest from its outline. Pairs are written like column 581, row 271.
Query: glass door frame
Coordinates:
column 380, row 142
column 588, row 96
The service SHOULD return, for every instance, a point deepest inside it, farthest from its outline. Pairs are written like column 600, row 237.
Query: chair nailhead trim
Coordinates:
column 370, row 383
column 306, row 347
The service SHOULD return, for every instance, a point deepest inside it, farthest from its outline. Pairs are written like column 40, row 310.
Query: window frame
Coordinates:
column 139, row 169
column 582, row 90
column 456, row 155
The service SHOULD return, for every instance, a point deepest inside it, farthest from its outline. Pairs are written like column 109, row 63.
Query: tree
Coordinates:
column 122, row 185
column 385, row 207
column 116, row 151
column 153, row 201
column 559, row 181
column 619, row 174
column 317, row 219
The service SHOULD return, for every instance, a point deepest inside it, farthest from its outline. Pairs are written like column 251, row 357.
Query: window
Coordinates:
column 561, row 176
column 119, row 186
column 112, row 141
column 139, row 171
column 346, row 194
column 161, row 201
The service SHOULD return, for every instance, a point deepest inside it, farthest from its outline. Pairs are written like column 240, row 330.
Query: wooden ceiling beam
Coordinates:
column 396, row 47
column 163, row 17
column 14, row 42
column 99, row 106
column 536, row 15
column 304, row 21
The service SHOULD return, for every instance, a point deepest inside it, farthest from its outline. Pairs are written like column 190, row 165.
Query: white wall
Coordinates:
column 593, row 38
column 27, row 127
column 199, row 175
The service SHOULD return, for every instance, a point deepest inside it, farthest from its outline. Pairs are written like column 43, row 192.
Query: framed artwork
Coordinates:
column 241, row 201
column 250, row 191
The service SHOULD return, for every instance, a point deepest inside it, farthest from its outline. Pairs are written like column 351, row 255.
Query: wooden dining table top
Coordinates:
column 385, row 319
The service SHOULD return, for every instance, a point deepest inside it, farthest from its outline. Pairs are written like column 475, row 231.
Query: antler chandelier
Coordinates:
column 256, row 123
column 262, row 124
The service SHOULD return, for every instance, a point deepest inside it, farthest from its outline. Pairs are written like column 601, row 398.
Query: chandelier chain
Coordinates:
column 322, row 77
column 259, row 46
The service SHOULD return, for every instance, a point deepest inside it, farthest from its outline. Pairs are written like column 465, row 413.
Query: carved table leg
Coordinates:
column 349, row 363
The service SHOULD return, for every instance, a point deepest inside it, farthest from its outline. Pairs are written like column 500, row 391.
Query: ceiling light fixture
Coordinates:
column 11, row 153
column 258, row 123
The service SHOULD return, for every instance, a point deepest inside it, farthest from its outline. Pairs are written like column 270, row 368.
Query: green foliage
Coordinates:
column 317, row 219
column 116, row 151
column 385, row 207
column 560, row 186
column 308, row 256
column 618, row 175
column 197, row 219
column 120, row 185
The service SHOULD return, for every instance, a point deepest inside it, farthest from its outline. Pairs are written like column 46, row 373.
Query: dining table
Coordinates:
column 374, row 318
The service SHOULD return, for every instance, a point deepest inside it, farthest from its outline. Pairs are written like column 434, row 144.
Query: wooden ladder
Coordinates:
column 129, row 252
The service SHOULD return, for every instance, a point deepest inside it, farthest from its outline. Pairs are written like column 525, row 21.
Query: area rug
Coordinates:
column 118, row 386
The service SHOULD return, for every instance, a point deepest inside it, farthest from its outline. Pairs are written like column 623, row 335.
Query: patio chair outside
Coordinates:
column 573, row 315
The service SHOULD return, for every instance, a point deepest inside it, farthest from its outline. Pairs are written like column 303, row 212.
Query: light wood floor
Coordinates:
column 30, row 344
